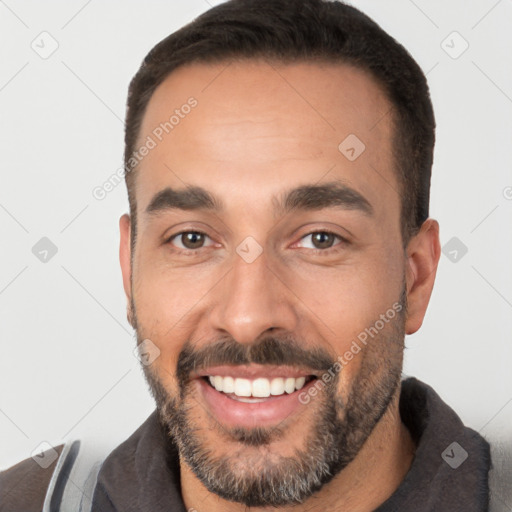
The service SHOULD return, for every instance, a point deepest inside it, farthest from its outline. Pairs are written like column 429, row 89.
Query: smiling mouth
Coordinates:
column 258, row 389
column 254, row 395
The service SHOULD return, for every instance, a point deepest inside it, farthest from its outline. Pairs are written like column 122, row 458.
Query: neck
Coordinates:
column 368, row 481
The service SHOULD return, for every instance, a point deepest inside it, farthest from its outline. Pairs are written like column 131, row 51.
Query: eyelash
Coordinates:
column 341, row 241
column 177, row 235
column 328, row 250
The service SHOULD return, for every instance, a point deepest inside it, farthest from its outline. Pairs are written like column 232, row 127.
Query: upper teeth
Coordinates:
column 259, row 387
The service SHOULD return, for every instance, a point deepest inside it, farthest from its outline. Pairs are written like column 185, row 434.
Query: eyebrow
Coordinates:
column 327, row 195
column 190, row 198
column 305, row 197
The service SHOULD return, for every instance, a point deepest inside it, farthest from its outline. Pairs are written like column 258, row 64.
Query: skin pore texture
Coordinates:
column 316, row 272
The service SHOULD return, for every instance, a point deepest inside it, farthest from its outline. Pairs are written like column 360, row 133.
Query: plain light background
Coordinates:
column 67, row 367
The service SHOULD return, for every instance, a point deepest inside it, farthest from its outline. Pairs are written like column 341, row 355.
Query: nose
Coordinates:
column 252, row 300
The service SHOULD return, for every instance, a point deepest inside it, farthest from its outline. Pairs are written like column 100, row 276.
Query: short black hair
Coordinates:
column 291, row 31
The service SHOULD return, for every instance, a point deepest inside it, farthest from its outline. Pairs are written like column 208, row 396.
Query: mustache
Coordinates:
column 271, row 350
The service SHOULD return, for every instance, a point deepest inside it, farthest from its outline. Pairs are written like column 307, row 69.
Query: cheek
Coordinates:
column 167, row 306
column 347, row 299
column 355, row 307
column 167, row 296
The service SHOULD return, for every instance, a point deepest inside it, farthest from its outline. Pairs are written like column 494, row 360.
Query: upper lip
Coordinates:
column 255, row 371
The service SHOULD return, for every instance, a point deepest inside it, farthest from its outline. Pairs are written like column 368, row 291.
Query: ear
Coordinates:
column 125, row 260
column 423, row 252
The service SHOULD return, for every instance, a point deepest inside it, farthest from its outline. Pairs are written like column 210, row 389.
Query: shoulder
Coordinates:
column 23, row 486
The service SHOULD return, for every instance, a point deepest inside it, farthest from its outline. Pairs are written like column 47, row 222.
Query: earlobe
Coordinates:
column 423, row 252
column 125, row 261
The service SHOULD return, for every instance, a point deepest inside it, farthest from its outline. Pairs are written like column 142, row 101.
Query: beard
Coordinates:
column 253, row 474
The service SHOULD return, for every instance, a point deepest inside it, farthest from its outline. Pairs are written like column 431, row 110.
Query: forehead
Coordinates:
column 263, row 126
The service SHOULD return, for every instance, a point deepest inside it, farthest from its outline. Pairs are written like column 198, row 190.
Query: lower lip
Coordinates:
column 232, row 413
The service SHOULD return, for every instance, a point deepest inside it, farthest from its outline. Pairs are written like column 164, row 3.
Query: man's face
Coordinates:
column 268, row 274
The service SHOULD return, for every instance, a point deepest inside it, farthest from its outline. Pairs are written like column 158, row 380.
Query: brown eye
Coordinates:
column 320, row 240
column 323, row 240
column 192, row 240
column 189, row 240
